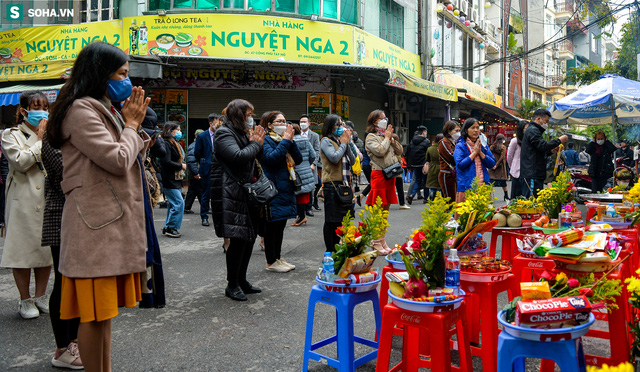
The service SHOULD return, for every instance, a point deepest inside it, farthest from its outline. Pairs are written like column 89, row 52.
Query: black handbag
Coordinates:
column 391, row 171
column 260, row 192
column 297, row 183
column 344, row 193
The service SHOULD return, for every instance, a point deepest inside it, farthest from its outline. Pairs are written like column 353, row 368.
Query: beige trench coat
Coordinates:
column 24, row 201
column 382, row 151
column 103, row 228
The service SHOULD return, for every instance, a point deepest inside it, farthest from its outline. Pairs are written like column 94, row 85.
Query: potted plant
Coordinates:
column 559, row 194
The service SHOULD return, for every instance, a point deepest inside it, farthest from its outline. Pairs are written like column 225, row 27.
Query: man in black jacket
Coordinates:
column 416, row 157
column 533, row 155
column 625, row 152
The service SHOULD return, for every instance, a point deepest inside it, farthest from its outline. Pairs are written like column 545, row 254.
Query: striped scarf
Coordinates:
column 478, row 162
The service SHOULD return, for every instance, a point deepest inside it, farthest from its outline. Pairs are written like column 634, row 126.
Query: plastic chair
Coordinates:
column 482, row 312
column 437, row 326
column 512, row 352
column 508, row 243
column 344, row 337
column 524, row 267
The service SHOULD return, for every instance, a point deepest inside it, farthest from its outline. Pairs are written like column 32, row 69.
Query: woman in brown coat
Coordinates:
column 498, row 174
column 104, row 230
column 447, row 175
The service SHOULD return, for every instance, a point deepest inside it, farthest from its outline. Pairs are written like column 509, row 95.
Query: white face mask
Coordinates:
column 382, row 124
column 304, row 126
column 600, row 142
column 249, row 123
column 455, row 136
column 545, row 126
column 279, row 129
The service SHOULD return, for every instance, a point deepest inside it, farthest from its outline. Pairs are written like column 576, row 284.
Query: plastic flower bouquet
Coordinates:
column 559, row 194
column 354, row 240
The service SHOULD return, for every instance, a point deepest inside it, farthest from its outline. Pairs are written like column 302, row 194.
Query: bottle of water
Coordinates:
column 453, row 271
column 611, row 211
column 453, row 225
column 327, row 263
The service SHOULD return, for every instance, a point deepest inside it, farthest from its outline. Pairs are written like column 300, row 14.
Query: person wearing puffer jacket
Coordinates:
column 472, row 159
column 306, row 174
column 279, row 158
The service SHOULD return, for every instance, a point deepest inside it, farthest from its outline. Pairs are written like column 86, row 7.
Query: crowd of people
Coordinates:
column 82, row 179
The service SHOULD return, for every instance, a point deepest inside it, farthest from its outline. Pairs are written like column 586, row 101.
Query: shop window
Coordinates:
column 260, row 5
column 392, row 22
column 349, row 11
column 182, row 4
column 207, row 4
column 330, row 9
column 309, row 7
column 233, row 4
column 98, row 10
column 159, row 4
column 62, row 4
column 286, row 6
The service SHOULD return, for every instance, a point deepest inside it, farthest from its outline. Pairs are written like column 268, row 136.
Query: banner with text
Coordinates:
column 474, row 91
column 428, row 88
column 373, row 51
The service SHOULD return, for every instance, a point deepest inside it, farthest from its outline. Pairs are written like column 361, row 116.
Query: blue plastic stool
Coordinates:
column 344, row 337
column 512, row 352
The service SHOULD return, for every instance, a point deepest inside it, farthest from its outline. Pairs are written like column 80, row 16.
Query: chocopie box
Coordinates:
column 553, row 313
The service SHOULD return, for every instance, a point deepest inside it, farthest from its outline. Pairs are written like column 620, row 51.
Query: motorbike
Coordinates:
column 581, row 181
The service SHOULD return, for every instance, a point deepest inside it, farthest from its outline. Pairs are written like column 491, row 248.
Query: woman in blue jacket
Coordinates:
column 472, row 159
column 279, row 158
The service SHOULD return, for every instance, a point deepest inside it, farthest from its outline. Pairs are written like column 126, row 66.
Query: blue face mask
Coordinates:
column 35, row 116
column 119, row 90
column 177, row 136
column 338, row 132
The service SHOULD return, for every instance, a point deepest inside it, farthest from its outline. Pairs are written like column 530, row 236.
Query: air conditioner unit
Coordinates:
column 474, row 15
column 556, row 55
column 399, row 102
column 464, row 7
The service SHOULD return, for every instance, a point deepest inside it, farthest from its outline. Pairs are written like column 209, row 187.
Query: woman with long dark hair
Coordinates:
column 601, row 166
column 337, row 156
column 513, row 159
column 383, row 151
column 236, row 146
column 105, row 218
column 173, row 166
column 446, row 147
column 472, row 159
column 279, row 159
column 23, row 252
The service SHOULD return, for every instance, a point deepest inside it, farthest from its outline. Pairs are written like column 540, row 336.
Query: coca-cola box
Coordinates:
column 553, row 313
column 529, row 218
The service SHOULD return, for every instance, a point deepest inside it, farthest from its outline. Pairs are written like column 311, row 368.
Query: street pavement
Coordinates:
column 202, row 330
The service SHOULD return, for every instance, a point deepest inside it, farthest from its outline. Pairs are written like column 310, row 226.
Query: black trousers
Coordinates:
column 516, row 187
column 273, row 236
column 238, row 257
column 530, row 185
column 63, row 330
column 195, row 190
column 400, row 189
column 598, row 183
column 330, row 236
column 366, row 169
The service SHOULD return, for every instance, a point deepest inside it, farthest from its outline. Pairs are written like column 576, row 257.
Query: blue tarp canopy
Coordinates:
column 610, row 98
column 11, row 95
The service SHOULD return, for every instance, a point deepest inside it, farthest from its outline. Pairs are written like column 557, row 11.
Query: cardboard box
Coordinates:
column 535, row 291
column 553, row 313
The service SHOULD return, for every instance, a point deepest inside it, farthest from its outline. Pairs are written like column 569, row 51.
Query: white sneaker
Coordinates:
column 278, row 267
column 404, row 206
column 27, row 309
column 42, row 303
column 286, row 264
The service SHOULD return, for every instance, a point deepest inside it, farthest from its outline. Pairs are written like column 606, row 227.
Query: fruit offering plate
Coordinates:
column 426, row 307
column 349, row 288
column 484, row 277
column 546, row 335
column 548, row 230
column 614, row 225
column 395, row 260
column 587, row 267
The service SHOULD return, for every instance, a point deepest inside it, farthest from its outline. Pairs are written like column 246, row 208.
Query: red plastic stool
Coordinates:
column 524, row 267
column 438, row 326
column 617, row 332
column 384, row 284
column 508, row 243
column 482, row 312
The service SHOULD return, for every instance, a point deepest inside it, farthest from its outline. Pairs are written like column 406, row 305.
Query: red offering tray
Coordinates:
column 484, row 277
